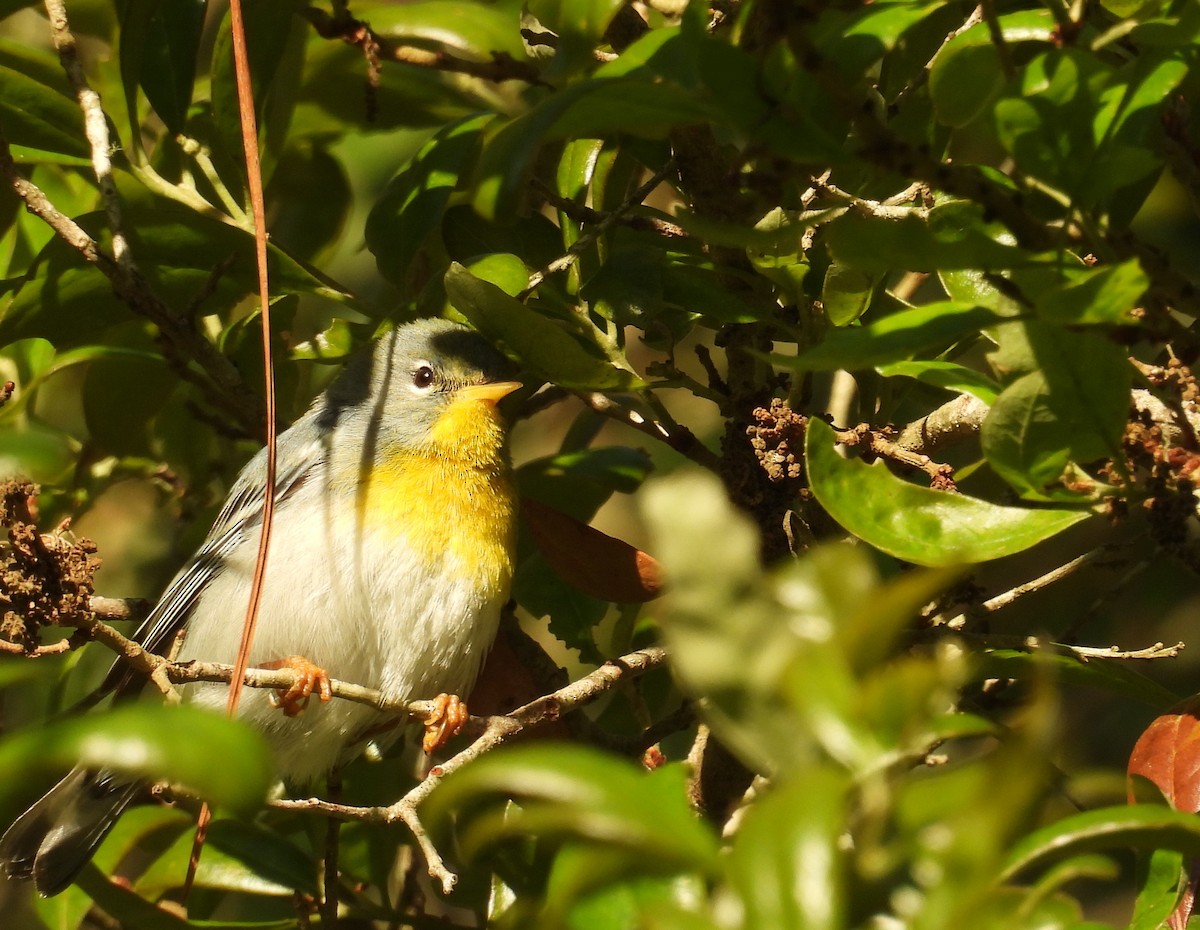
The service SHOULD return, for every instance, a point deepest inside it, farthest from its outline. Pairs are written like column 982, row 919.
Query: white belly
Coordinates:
column 368, row 614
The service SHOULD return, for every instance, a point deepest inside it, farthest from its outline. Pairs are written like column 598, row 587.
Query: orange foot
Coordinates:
column 309, row 678
column 444, row 723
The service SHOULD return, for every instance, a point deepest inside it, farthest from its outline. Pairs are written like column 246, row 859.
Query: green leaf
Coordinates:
column 1112, row 675
column 474, row 30
column 1160, row 889
column 411, row 207
column 968, row 73
column 275, row 36
column 69, row 302
column 546, row 350
column 502, row 269
column 159, row 42
column 1140, row 826
column 576, row 792
column 894, row 337
column 579, row 25
column 785, row 861
column 174, row 744
column 238, row 857
column 38, row 117
column 40, row 453
column 948, row 238
column 1107, row 294
column 919, row 524
column 948, row 375
column 846, row 293
column 1071, row 408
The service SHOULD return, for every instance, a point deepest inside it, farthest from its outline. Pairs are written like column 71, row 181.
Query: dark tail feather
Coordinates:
column 56, row 837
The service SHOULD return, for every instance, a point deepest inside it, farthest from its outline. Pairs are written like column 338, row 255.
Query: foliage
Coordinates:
column 957, row 241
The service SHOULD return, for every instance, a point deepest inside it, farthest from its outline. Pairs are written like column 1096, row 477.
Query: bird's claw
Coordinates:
column 309, row 678
column 444, row 722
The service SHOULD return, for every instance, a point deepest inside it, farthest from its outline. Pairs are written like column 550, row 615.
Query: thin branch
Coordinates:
column 496, row 730
column 95, row 127
column 585, row 214
column 1006, row 598
column 919, row 81
column 680, row 438
column 501, row 67
column 881, row 444
column 224, row 385
column 955, row 420
column 584, row 242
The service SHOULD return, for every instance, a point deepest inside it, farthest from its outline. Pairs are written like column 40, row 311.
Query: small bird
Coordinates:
column 391, row 556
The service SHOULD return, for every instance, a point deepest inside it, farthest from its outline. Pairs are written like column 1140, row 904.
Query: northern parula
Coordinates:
column 391, row 556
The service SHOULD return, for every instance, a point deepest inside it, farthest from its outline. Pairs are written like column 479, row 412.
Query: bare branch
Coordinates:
column 95, row 127
column 953, row 421
column 495, row 730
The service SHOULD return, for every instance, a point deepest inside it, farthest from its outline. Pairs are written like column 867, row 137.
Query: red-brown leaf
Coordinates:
column 1168, row 754
column 594, row 562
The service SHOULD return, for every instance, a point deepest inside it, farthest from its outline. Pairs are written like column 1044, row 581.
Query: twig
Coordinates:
column 584, row 214
column 95, row 127
column 501, row 67
column 917, row 82
column 1000, row 601
column 224, row 385
column 681, row 439
column 584, row 242
column 880, row 443
column 955, row 420
column 496, row 730
column 1157, row 651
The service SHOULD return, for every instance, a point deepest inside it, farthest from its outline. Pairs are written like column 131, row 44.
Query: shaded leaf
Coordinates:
column 544, row 348
column 785, row 860
column 174, row 744
column 592, row 561
column 411, row 206
column 577, row 792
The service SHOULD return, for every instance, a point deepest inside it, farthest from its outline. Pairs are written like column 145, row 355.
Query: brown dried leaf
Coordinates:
column 1168, row 755
column 594, row 562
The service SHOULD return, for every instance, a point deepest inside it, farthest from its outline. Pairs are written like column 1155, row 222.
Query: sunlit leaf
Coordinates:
column 919, row 524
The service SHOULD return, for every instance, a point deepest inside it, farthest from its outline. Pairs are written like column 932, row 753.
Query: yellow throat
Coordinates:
column 454, row 499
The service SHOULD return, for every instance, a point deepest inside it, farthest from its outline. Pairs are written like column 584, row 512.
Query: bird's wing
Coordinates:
column 241, row 513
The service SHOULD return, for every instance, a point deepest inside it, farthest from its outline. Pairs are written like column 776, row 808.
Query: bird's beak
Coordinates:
column 489, row 393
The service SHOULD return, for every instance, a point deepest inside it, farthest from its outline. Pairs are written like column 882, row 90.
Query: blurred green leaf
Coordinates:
column 785, row 860
column 237, row 857
column 918, row 524
column 577, row 792
column 174, row 744
column 475, row 30
column 1139, row 826
column 1164, row 869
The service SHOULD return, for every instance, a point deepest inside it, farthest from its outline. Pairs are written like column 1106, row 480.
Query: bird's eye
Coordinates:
column 423, row 376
